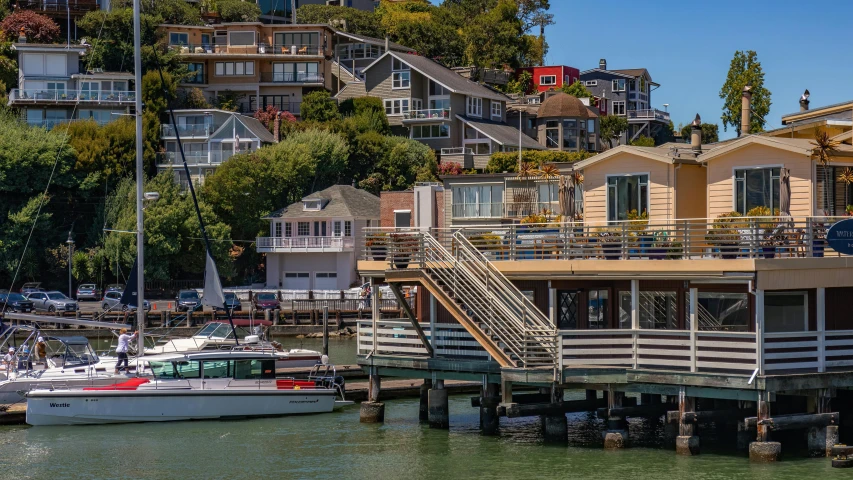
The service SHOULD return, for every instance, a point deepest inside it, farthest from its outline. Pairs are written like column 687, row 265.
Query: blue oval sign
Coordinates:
column 840, row 237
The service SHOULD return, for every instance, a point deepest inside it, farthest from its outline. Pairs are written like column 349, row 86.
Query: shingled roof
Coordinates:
column 563, row 105
column 338, row 201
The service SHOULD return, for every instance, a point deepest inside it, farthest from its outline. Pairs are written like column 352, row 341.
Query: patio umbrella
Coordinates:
column 564, row 197
column 785, row 193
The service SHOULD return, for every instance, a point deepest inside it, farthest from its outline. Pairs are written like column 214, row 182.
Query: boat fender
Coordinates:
column 297, row 387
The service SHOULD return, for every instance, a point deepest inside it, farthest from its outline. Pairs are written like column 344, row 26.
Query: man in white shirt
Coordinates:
column 10, row 361
column 123, row 342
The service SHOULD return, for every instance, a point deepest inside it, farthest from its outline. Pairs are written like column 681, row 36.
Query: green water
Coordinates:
column 337, row 446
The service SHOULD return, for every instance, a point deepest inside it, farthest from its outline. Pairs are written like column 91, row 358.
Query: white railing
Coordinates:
column 304, row 242
column 71, row 96
column 675, row 350
column 650, row 114
column 398, row 337
column 188, row 130
column 457, row 151
column 427, row 114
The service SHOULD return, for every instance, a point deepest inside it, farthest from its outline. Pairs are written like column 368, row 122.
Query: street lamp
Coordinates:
column 70, row 243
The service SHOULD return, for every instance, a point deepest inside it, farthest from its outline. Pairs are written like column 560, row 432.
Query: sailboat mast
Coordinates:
column 140, row 277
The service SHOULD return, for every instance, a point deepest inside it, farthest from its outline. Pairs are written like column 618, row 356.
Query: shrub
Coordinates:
column 38, row 28
column 508, row 161
column 449, row 168
column 356, row 106
column 319, row 106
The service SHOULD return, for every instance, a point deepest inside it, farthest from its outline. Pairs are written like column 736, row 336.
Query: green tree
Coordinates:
column 710, row 133
column 237, row 11
column 523, row 85
column 319, row 106
column 612, row 126
column 405, row 161
column 745, row 69
column 492, row 36
column 357, row 21
column 576, row 89
column 173, row 248
column 107, row 151
column 643, row 141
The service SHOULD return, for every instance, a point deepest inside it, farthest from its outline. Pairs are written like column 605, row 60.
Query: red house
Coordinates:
column 551, row 77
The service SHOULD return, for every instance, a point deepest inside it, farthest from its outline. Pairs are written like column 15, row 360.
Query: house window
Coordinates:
column 552, row 134
column 547, row 195
column 567, row 315
column 474, row 106
column 590, row 83
column 619, row 85
column 626, row 193
column 599, row 307
column 437, row 90
column 197, row 69
column 402, row 218
column 278, row 229
column 303, row 229
column 401, row 74
column 348, row 228
column 178, row 39
column 478, row 201
column 496, row 109
column 288, row 229
column 302, row 39
column 241, row 38
column 756, row 187
column 235, row 68
column 786, row 312
column 590, row 126
column 430, row 131
column 547, row 79
column 336, row 228
column 396, row 106
column 618, row 108
column 296, row 72
column 570, row 134
column 724, row 312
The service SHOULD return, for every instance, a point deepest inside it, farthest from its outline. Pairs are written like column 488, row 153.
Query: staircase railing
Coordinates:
column 501, row 310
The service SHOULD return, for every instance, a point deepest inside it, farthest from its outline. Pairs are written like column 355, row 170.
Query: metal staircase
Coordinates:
column 514, row 331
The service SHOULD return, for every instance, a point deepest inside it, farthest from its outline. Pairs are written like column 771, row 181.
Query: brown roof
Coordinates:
column 563, row 105
column 634, row 72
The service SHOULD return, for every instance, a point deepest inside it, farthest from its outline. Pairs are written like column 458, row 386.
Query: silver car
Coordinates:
column 112, row 303
column 52, row 302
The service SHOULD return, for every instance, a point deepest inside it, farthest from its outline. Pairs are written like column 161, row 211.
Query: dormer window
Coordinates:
column 312, row 205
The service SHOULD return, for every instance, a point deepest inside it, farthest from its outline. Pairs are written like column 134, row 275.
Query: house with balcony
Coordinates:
column 53, row 89
column 628, row 93
column 270, row 64
column 209, row 137
column 311, row 243
column 462, row 120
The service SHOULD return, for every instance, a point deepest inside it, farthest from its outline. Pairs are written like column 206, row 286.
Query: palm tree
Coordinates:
column 548, row 172
column 824, row 149
column 846, row 177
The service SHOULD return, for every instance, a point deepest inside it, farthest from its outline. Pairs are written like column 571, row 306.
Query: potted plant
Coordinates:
column 725, row 234
column 636, row 227
column 764, row 226
column 488, row 243
column 403, row 247
column 611, row 245
column 377, row 246
column 849, row 210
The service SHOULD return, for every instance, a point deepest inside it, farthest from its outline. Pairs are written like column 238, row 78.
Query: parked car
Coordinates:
column 231, row 303
column 15, row 302
column 112, row 303
column 266, row 301
column 88, row 291
column 115, row 287
column 30, row 287
column 52, row 302
column 187, row 300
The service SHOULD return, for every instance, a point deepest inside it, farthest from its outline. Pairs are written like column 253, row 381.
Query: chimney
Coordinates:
column 387, row 44
column 276, row 129
column 696, row 135
column 804, row 101
column 745, row 109
column 602, row 64
column 22, row 36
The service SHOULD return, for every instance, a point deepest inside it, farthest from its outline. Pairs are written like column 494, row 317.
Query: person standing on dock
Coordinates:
column 123, row 342
column 10, row 361
column 365, row 295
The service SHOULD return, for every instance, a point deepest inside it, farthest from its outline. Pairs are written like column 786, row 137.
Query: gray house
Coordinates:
column 312, row 243
column 627, row 93
column 462, row 120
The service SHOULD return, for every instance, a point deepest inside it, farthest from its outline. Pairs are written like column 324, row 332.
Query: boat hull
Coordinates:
column 103, row 407
column 12, row 391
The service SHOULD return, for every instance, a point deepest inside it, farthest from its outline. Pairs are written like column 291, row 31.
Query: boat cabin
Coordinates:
column 219, row 365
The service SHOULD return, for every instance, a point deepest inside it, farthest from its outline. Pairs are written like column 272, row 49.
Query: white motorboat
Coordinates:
column 192, row 386
column 216, row 335
column 70, row 362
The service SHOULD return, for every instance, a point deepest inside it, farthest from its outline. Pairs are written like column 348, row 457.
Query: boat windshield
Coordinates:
column 220, row 330
column 175, row 369
column 239, row 369
column 77, row 354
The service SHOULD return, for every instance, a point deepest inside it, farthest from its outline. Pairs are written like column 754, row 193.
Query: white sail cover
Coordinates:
column 213, row 296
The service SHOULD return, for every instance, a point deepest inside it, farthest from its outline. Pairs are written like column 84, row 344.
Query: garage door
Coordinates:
column 325, row 281
column 297, row 281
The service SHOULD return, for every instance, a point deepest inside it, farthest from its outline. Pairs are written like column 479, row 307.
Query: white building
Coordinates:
column 312, row 243
column 53, row 89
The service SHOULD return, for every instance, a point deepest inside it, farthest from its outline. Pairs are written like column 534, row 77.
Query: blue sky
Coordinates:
column 687, row 47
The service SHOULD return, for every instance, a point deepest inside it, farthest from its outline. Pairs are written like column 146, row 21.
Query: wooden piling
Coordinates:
column 439, row 414
column 616, row 435
column 489, row 401
column 762, row 450
column 687, row 442
column 423, row 409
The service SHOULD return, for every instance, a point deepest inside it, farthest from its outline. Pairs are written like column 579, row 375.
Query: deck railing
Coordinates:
column 259, row 49
column 732, row 238
column 303, row 243
column 398, row 337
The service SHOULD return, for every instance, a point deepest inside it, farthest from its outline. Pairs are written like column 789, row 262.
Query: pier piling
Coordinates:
column 616, row 435
column 762, row 450
column 372, row 410
column 489, row 401
column 423, row 410
column 687, row 442
column 439, row 414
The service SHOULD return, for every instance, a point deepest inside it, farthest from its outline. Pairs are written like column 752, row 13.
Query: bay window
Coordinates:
column 756, row 187
column 626, row 193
